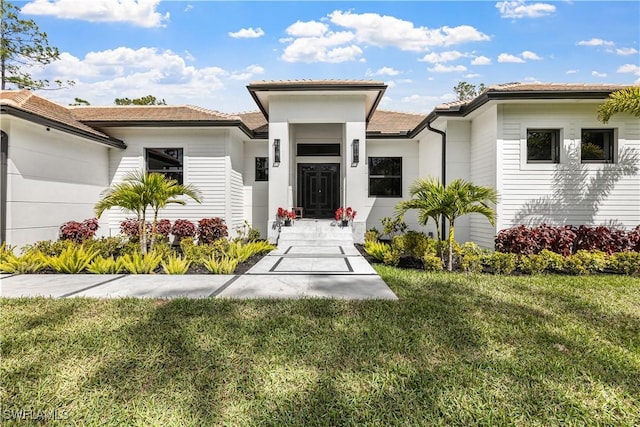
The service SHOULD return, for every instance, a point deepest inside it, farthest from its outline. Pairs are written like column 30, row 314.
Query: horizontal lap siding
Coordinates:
column 483, row 171
column 570, row 192
column 205, row 167
column 53, row 177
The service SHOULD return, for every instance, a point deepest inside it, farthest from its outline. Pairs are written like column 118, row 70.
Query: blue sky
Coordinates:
column 206, row 52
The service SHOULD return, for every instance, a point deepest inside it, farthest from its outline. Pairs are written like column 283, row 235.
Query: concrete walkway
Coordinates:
column 330, row 271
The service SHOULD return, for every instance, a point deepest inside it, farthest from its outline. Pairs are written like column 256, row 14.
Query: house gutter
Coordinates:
column 443, row 139
column 4, row 174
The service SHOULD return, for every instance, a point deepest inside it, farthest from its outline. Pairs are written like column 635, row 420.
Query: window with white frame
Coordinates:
column 597, row 146
column 167, row 161
column 543, row 145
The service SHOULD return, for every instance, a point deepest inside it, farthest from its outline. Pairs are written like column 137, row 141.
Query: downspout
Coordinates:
column 4, row 174
column 443, row 136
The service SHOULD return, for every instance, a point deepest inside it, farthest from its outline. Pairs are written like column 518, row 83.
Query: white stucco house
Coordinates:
column 319, row 145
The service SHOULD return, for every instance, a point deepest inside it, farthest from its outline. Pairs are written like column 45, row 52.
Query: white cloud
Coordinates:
column 629, row 68
column 626, row 51
column 383, row 30
column 188, row 8
column 527, row 54
column 384, row 71
column 471, row 76
column 439, row 68
column 597, row 74
column 307, row 29
column 331, row 47
column 572, row 72
column 506, row 57
column 102, row 76
column 481, row 60
column 247, row 33
column 142, row 13
column 448, row 56
column 390, row 83
column 595, row 42
column 518, row 9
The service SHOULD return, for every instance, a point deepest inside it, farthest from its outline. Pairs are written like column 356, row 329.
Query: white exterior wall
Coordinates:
column 208, row 166
column 483, row 166
column 429, row 164
column 53, row 177
column 459, row 167
column 380, row 207
column 256, row 193
column 569, row 192
column 288, row 116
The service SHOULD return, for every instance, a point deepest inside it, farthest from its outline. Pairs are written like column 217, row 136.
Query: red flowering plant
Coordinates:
column 345, row 214
column 283, row 215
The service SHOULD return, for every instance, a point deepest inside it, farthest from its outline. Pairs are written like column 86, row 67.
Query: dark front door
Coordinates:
column 319, row 189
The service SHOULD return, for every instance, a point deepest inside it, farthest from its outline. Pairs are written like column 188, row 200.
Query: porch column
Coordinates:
column 356, row 171
column 279, row 174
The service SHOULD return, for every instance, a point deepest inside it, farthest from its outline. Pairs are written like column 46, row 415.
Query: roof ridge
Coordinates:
column 209, row 111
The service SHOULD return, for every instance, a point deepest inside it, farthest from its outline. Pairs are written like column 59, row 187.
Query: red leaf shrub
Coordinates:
column 183, row 228
column 79, row 231
column 566, row 240
column 163, row 227
column 130, row 227
column 211, row 229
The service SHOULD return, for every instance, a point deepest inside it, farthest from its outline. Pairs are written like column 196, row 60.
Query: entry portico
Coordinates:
column 316, row 144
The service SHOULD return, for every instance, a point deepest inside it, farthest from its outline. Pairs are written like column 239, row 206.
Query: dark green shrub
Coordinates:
column 625, row 262
column 416, row 244
column 432, row 262
column 534, row 263
column 48, row 247
column 502, row 263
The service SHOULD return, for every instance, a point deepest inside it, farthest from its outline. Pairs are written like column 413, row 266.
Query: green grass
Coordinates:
column 454, row 350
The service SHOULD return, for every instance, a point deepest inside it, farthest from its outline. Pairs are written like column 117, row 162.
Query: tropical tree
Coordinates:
column 624, row 100
column 426, row 197
column 145, row 100
column 450, row 202
column 140, row 191
column 22, row 46
column 466, row 90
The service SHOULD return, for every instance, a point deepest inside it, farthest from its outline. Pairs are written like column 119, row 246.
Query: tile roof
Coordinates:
column 148, row 113
column 393, row 122
column 255, row 121
column 313, row 83
column 31, row 103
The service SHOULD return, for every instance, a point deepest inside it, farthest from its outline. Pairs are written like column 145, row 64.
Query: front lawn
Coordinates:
column 454, row 350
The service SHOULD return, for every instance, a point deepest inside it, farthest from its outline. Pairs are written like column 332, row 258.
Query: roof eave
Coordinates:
column 171, row 123
column 35, row 118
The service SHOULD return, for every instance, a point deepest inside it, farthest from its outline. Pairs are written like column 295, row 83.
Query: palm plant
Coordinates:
column 623, row 100
column 166, row 191
column 140, row 190
column 460, row 197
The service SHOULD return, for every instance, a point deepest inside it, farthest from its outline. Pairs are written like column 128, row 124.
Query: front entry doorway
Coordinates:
column 319, row 189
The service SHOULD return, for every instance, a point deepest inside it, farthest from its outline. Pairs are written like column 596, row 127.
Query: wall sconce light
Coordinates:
column 355, row 152
column 276, row 152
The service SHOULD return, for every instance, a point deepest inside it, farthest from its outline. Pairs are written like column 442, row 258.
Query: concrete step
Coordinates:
column 315, row 233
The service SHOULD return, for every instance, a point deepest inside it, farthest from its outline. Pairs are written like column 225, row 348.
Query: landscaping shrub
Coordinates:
column 79, row 232
column 371, row 235
column 534, row 263
column 416, row 244
column 49, row 247
column 29, row 262
column 393, row 226
column 211, row 229
column 376, row 249
column 130, row 227
column 176, row 265
column 137, row 263
column 221, row 265
column 593, row 261
column 470, row 257
column 553, row 260
column 502, row 263
column 625, row 262
column 566, row 240
column 432, row 262
column 575, row 265
column 246, row 233
column 72, row 260
column 109, row 265
column 111, row 246
column 392, row 256
column 163, row 227
column 198, row 254
column 183, row 228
